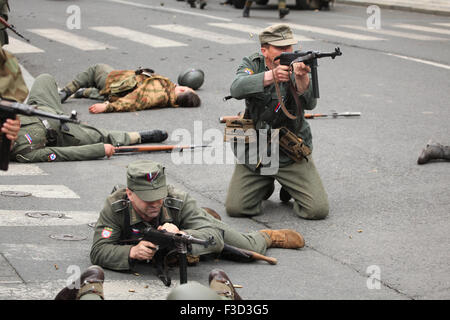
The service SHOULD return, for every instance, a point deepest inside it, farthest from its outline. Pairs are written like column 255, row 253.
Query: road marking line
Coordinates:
column 16, row 169
column 18, row 218
column 395, row 33
column 335, row 33
column 139, row 37
column 252, row 30
column 421, row 28
column 42, row 191
column 435, row 64
column 16, row 46
column 71, row 39
column 444, row 24
column 201, row 34
column 164, row 9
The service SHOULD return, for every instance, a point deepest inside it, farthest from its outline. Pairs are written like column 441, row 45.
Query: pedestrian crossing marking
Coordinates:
column 252, row 30
column 394, row 33
column 335, row 33
column 443, row 24
column 439, row 65
column 201, row 34
column 16, row 46
column 71, row 39
column 139, row 37
column 19, row 218
column 422, row 28
column 16, row 169
column 42, row 191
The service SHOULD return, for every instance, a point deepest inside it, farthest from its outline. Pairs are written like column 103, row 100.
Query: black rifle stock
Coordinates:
column 309, row 58
column 168, row 242
column 9, row 110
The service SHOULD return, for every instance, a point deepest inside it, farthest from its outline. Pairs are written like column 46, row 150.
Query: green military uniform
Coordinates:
column 248, row 187
column 118, row 221
column 4, row 10
column 70, row 142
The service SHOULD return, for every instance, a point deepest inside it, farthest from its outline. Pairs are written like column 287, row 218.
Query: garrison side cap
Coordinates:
column 278, row 35
column 147, row 180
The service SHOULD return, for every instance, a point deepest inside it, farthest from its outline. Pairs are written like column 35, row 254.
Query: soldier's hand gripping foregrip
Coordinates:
column 9, row 110
column 309, row 58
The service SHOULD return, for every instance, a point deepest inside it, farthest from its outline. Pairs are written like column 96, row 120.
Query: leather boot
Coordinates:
column 212, row 212
column 284, row 238
column 91, row 281
column 64, row 94
column 202, row 4
column 284, row 195
column 283, row 12
column 433, row 152
column 153, row 136
column 192, row 3
column 269, row 192
column 219, row 282
column 246, row 12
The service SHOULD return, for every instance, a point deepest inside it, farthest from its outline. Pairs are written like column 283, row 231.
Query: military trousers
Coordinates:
column 93, row 78
column 301, row 180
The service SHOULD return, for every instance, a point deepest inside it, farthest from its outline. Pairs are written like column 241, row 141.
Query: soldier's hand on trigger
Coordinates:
column 144, row 250
column 109, row 150
column 281, row 73
column 11, row 128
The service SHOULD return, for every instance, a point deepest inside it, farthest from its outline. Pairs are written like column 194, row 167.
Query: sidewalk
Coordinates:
column 440, row 7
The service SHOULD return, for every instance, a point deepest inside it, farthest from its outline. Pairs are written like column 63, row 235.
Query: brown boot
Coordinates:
column 212, row 213
column 434, row 151
column 91, row 281
column 219, row 282
column 284, row 238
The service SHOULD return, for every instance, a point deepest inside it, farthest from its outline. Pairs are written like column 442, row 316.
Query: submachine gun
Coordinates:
column 309, row 58
column 168, row 243
column 9, row 110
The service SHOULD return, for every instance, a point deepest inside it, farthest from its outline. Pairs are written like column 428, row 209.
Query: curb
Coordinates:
column 397, row 7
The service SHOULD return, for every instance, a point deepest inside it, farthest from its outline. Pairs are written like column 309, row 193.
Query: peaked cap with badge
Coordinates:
column 278, row 35
column 147, row 179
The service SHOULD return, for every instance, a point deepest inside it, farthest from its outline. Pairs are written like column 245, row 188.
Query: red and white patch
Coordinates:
column 106, row 233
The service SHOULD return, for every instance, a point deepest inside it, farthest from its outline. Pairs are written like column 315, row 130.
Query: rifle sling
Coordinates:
column 280, row 99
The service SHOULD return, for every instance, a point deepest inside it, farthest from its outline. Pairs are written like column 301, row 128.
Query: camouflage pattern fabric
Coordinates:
column 12, row 85
column 4, row 9
column 148, row 92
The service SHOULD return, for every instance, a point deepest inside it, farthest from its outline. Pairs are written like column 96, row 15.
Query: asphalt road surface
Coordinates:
column 386, row 236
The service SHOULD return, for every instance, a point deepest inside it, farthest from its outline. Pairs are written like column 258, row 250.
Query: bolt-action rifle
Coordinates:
column 168, row 243
column 12, row 28
column 9, row 110
column 309, row 58
column 155, row 148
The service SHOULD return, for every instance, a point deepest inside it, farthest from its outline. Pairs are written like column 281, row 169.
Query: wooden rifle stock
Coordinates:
column 234, row 253
column 154, row 148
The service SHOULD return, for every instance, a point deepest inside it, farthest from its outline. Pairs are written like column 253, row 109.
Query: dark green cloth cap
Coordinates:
column 278, row 35
column 147, row 180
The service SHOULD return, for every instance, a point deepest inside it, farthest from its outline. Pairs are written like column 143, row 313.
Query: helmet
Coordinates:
column 192, row 291
column 192, row 78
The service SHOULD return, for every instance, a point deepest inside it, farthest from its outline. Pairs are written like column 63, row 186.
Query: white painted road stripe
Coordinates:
column 435, row 64
column 422, row 28
column 165, row 9
column 71, row 39
column 139, row 37
column 18, row 218
column 443, row 24
column 393, row 33
column 252, row 30
column 16, row 169
column 201, row 34
column 42, row 191
column 334, row 33
column 16, row 46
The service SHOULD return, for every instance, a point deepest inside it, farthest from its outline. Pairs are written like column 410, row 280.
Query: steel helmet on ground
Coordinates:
column 192, row 78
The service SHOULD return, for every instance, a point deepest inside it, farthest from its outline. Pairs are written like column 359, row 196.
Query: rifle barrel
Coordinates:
column 155, row 148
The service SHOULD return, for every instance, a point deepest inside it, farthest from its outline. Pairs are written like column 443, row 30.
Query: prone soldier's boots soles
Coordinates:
column 153, row 136
column 284, row 238
column 90, row 281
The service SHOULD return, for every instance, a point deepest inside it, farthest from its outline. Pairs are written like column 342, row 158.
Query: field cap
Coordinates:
column 278, row 35
column 147, row 180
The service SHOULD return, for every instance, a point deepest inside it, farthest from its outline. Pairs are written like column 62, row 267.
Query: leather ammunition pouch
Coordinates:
column 240, row 130
column 293, row 146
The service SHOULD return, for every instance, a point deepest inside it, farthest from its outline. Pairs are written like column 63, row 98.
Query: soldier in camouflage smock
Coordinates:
column 128, row 90
column 149, row 201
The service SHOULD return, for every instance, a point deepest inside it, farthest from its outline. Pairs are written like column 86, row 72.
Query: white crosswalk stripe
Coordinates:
column 443, row 24
column 23, row 218
column 394, row 33
column 334, row 33
column 71, row 39
column 201, row 34
column 431, row 63
column 422, row 28
column 253, row 31
column 42, row 191
column 16, row 46
column 139, row 37
column 19, row 169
